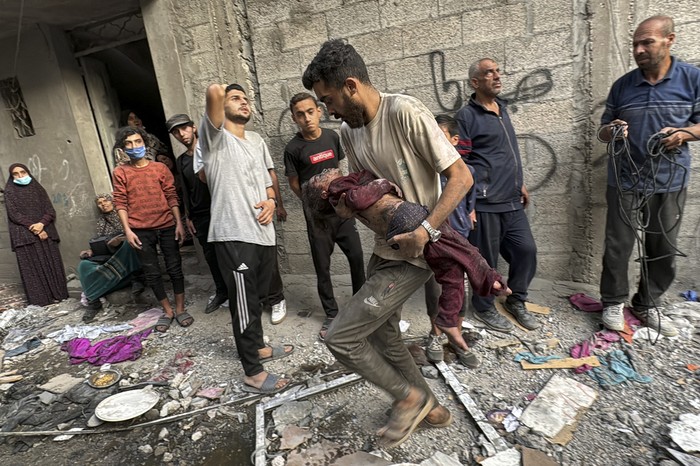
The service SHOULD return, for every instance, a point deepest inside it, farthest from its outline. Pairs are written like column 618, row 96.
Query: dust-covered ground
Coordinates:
column 627, row 424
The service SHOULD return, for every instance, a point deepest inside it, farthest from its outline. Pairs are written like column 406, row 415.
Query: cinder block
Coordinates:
column 549, row 49
column 377, row 74
column 303, row 30
column 268, row 12
column 408, row 72
column 279, row 66
column 449, row 7
column 550, row 15
column 405, row 12
column 300, row 263
column 686, row 46
column 354, row 19
column 456, row 61
column 555, row 266
column 267, row 40
column 379, row 46
column 187, row 13
column 434, row 34
column 496, row 23
column 554, row 116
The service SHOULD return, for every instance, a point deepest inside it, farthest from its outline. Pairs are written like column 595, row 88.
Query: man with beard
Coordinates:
column 311, row 151
column 650, row 116
column 394, row 137
column 243, row 204
column 502, row 228
column 197, row 202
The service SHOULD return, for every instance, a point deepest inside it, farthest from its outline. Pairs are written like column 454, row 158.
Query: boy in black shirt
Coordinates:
column 312, row 150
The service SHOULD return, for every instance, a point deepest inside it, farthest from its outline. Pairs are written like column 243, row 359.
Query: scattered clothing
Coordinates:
column 145, row 320
column 690, row 295
column 585, row 303
column 112, row 350
column 616, row 368
column 25, row 347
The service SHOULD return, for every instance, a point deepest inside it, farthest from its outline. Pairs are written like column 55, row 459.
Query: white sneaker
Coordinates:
column 279, row 312
column 614, row 317
column 655, row 320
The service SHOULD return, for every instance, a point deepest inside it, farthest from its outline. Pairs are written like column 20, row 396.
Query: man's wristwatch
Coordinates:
column 434, row 234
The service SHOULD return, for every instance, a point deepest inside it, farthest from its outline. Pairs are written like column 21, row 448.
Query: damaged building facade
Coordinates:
column 79, row 65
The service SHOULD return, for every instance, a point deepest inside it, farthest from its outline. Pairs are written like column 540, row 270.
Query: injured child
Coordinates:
column 378, row 204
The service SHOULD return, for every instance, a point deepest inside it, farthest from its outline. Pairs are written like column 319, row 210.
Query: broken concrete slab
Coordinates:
column 440, row 459
column 557, row 408
column 320, row 454
column 60, row 384
column 509, row 457
column 686, row 432
column 361, row 458
column 293, row 436
column 291, row 413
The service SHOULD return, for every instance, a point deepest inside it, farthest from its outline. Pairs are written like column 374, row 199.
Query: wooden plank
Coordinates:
column 566, row 363
column 502, row 310
column 537, row 309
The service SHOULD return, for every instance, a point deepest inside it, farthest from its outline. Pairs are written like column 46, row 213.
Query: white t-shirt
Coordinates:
column 403, row 144
column 237, row 176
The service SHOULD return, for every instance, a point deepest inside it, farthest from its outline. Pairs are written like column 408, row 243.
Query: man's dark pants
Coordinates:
column 246, row 269
column 148, row 255
column 507, row 234
column 662, row 213
column 201, row 224
column 322, row 239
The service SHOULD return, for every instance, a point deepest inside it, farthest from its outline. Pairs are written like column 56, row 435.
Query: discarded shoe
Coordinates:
column 655, row 320
column 614, row 317
column 493, row 320
column 517, row 308
column 279, row 312
column 434, row 351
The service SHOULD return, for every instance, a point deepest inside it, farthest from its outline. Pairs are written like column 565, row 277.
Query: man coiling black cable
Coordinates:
column 651, row 114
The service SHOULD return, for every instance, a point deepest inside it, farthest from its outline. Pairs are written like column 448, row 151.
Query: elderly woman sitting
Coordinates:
column 112, row 264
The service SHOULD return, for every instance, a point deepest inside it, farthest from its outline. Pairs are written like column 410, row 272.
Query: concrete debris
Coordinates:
column 686, row 432
column 163, row 433
column 278, row 461
column 167, row 457
column 63, row 438
column 60, row 384
column 293, row 436
column 441, row 459
column 197, row 436
column 429, row 372
column 531, row 457
column 160, row 450
column 47, row 397
column 146, row 449
column 683, row 458
column 361, row 457
column 291, row 413
column 510, row 457
column 320, row 454
column 168, row 408
column 557, row 408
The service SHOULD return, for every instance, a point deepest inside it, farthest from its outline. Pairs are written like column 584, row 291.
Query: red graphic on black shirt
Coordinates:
column 322, row 156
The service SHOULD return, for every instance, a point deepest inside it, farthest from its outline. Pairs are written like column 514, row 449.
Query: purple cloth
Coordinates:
column 585, row 303
column 116, row 349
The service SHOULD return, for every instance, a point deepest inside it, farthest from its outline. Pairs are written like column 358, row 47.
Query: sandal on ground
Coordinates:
column 184, row 319
column 278, row 352
column 324, row 328
column 268, row 387
column 163, row 323
column 403, row 422
column 436, row 425
column 468, row 358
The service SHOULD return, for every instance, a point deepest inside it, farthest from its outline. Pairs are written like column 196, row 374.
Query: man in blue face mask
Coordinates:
column 148, row 207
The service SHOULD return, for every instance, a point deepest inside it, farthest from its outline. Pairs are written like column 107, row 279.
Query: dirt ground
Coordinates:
column 627, row 424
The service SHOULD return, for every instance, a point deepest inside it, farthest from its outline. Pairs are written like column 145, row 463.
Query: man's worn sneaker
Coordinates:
column 434, row 351
column 522, row 315
column 614, row 317
column 494, row 320
column 655, row 320
column 279, row 312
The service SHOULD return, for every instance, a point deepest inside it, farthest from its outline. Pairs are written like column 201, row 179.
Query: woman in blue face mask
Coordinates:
column 34, row 238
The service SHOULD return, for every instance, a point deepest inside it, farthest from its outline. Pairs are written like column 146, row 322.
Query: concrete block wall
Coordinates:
column 424, row 48
column 559, row 58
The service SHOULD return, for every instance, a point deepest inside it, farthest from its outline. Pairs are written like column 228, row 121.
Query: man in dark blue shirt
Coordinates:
column 501, row 197
column 651, row 114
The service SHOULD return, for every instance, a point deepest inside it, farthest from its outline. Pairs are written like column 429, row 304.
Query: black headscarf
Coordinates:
column 27, row 205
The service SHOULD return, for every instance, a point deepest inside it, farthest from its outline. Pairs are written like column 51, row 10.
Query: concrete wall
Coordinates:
column 559, row 59
column 62, row 154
